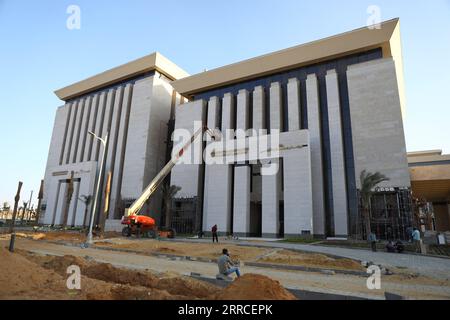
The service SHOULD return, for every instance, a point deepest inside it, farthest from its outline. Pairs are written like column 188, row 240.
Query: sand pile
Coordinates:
column 187, row 286
column 202, row 250
column 22, row 279
column 254, row 287
column 100, row 271
column 311, row 260
column 29, row 276
column 34, row 236
column 134, row 284
column 65, row 236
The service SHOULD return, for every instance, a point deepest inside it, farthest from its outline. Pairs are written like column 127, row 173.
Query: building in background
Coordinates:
column 338, row 103
column 133, row 103
column 430, row 181
column 342, row 98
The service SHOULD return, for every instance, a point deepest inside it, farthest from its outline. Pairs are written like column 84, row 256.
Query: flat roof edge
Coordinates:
column 154, row 61
column 347, row 43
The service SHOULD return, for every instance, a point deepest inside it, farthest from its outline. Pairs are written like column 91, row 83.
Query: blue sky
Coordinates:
column 39, row 54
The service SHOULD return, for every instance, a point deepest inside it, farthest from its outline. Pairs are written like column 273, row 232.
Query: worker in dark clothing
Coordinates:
column 390, row 246
column 399, row 246
column 214, row 233
column 373, row 241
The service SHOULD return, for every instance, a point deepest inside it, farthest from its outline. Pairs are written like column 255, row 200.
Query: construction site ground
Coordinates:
column 336, row 271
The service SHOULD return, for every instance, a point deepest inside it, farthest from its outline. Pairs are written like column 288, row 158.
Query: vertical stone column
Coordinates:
column 241, row 210
column 99, row 125
column 312, row 97
column 59, row 203
column 77, row 129
column 112, row 148
column 81, row 190
column 213, row 122
column 298, row 211
column 337, row 155
column 91, row 127
column 220, row 178
column 74, row 204
column 52, row 200
column 120, row 151
column 55, row 154
column 214, row 114
column 276, row 107
column 109, row 111
column 108, row 114
column 259, row 108
column 84, row 128
column 293, row 104
column 69, row 108
column 271, row 184
column 69, row 138
column 188, row 176
column 271, row 202
column 242, row 113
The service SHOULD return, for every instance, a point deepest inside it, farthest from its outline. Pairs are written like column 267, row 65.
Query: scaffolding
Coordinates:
column 186, row 217
column 391, row 214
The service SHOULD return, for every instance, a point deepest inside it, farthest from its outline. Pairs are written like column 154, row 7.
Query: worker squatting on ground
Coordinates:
column 214, row 233
column 226, row 265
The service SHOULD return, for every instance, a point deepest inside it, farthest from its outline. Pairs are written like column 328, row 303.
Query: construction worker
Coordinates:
column 226, row 265
column 214, row 233
column 373, row 241
column 416, row 240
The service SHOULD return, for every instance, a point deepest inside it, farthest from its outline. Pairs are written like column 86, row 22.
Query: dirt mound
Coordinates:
column 65, row 236
column 126, row 292
column 28, row 276
column 166, row 250
column 311, row 260
column 128, row 284
column 109, row 273
column 132, row 293
column 22, row 279
column 254, row 287
column 186, row 286
column 60, row 264
column 34, row 236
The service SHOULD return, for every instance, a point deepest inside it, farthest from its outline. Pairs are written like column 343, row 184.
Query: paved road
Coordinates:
column 429, row 266
column 312, row 281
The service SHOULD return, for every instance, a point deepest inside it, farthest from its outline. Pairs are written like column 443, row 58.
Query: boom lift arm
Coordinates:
column 159, row 178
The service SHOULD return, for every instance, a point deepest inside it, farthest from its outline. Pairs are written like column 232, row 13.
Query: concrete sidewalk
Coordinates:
column 425, row 265
column 336, row 284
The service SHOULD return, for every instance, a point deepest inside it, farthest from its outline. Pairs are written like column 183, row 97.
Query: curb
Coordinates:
column 298, row 293
column 206, row 260
column 306, row 269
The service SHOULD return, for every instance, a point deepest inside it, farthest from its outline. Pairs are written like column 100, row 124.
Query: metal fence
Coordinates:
column 391, row 214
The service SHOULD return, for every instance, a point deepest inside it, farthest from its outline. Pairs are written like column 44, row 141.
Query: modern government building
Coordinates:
column 338, row 104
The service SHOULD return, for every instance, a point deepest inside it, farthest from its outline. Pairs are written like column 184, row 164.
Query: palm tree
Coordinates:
column 169, row 193
column 368, row 182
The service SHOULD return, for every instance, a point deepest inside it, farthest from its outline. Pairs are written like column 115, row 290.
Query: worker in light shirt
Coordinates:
column 226, row 265
column 416, row 239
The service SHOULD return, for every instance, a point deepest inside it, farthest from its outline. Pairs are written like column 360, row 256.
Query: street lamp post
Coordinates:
column 104, row 141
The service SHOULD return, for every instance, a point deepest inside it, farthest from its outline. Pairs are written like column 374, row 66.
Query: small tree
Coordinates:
column 5, row 209
column 169, row 193
column 87, row 201
column 368, row 182
column 24, row 210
